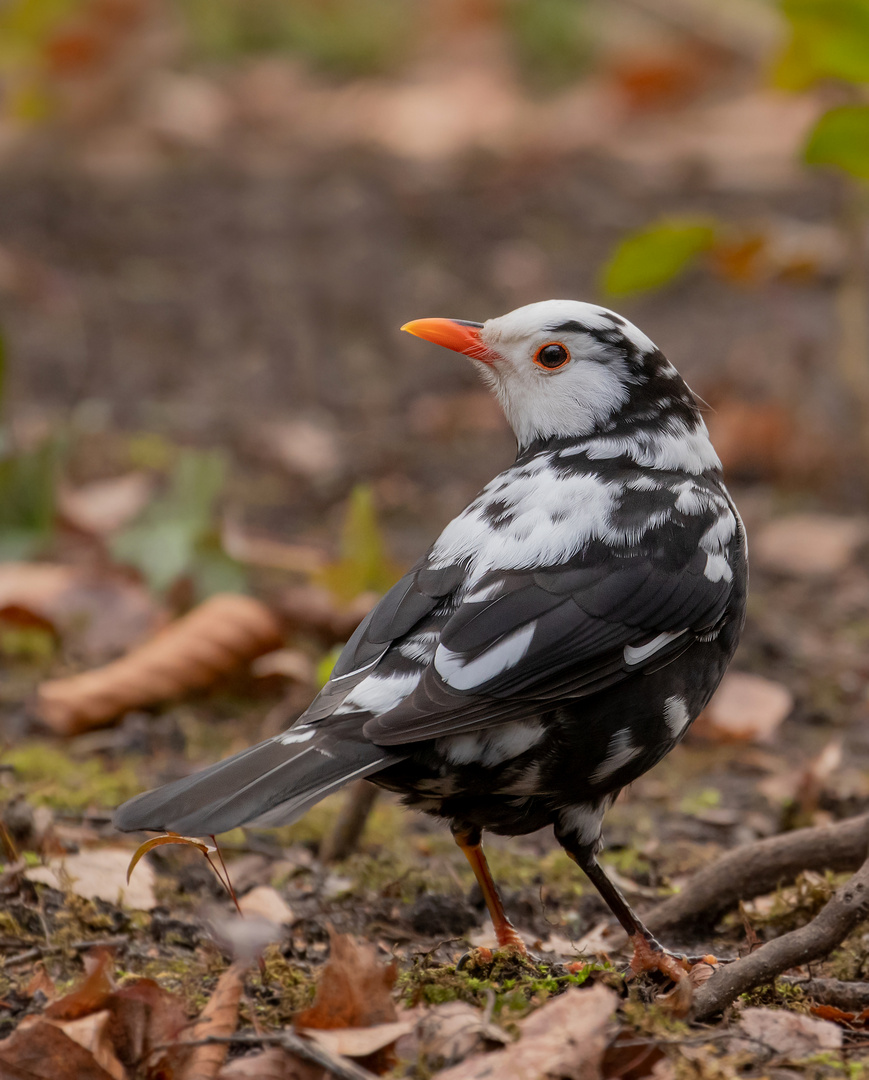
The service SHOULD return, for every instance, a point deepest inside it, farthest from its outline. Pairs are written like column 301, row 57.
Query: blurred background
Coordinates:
column 215, row 215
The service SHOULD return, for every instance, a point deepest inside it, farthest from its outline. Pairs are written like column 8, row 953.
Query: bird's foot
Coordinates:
column 650, row 955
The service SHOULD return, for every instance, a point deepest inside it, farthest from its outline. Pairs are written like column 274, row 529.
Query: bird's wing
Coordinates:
column 556, row 633
column 484, row 650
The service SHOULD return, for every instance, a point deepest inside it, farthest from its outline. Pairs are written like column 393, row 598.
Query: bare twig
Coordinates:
column 38, row 951
column 755, row 869
column 845, row 911
column 849, row 996
column 347, row 831
column 338, row 1066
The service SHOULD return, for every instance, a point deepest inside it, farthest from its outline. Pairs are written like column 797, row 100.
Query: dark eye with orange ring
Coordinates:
column 551, row 357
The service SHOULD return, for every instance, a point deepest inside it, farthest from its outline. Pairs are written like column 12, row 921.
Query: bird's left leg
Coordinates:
column 649, row 953
column 468, row 839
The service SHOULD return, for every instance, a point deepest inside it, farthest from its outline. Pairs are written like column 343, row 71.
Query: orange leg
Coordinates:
column 469, row 841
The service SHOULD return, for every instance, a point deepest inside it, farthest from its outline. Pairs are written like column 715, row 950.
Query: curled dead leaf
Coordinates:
column 220, row 1018
column 192, row 653
column 98, row 873
column 42, row 1050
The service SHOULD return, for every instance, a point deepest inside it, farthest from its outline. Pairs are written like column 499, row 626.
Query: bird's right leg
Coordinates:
column 649, row 953
column 468, row 839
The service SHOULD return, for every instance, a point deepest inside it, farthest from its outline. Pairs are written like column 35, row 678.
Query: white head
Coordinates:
column 566, row 369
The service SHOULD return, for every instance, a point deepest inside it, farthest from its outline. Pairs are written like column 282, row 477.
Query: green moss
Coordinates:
column 47, row 775
column 280, row 990
column 516, row 983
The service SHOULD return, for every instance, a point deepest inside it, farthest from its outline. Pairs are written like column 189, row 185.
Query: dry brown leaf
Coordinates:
column 745, row 708
column 273, row 1063
column 809, row 545
column 42, row 1050
column 788, row 1035
column 88, row 996
column 354, row 988
column 563, row 1040
column 290, row 663
column 752, row 438
column 41, row 983
column 102, row 613
column 267, row 903
column 219, row 1017
column 144, row 1016
column 195, row 651
column 103, row 506
column 93, row 1033
column 359, row 1042
column 99, row 873
column 450, row 1032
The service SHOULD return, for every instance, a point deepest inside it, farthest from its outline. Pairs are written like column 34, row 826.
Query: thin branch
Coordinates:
column 848, row 996
column 338, row 1066
column 759, row 868
column 848, row 907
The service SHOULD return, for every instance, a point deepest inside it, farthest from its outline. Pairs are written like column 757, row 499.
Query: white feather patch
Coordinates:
column 492, row 747
column 637, row 654
column 619, row 752
column 379, row 693
column 676, row 715
column 462, row 674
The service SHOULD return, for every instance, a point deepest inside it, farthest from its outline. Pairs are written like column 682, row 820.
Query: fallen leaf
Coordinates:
column 93, row 1033
column 788, row 1035
column 450, row 1032
column 745, row 708
column 752, row 438
column 563, row 1040
column 290, row 663
column 354, row 988
column 359, row 1042
column 144, row 1016
column 103, row 506
column 99, row 873
column 89, row 995
column 41, row 983
column 219, row 1017
column 101, row 614
column 43, row 1050
column 267, row 903
column 273, row 1063
column 193, row 652
column 304, row 448
column 809, row 545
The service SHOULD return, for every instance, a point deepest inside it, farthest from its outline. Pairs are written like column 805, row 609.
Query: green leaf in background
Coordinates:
column 177, row 536
column 656, row 255
column 28, row 497
column 364, row 565
column 841, row 138
column 829, row 39
column 550, row 40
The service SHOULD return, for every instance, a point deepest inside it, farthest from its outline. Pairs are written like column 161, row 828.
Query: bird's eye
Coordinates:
column 552, row 356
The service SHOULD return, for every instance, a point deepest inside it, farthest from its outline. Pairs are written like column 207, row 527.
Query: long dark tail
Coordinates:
column 272, row 783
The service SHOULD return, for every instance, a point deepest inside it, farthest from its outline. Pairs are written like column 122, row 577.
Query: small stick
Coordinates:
column 755, row 869
column 347, row 831
column 338, row 1066
column 848, row 996
column 848, row 907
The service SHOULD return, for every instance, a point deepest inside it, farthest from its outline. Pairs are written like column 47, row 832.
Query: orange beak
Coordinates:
column 455, row 334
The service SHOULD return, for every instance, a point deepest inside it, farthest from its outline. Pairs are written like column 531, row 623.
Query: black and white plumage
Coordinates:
column 559, row 636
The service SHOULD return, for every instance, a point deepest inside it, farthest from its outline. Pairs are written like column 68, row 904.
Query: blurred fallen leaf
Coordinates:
column 190, row 654
column 41, row 983
column 788, row 1035
column 98, row 873
column 451, row 1031
column 103, row 506
column 354, row 990
column 809, row 545
column 267, row 903
column 565, row 1039
column 93, row 1032
column 303, row 448
column 98, row 614
column 752, row 438
column 219, row 1017
column 359, row 1042
column 290, row 663
column 745, row 708
column 144, row 1017
column 273, row 1063
column 42, row 1050
column 803, row 787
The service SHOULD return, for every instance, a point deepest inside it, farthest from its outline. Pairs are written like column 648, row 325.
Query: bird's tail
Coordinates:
column 272, row 783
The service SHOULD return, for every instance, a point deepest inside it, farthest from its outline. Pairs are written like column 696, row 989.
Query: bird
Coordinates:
column 556, row 640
